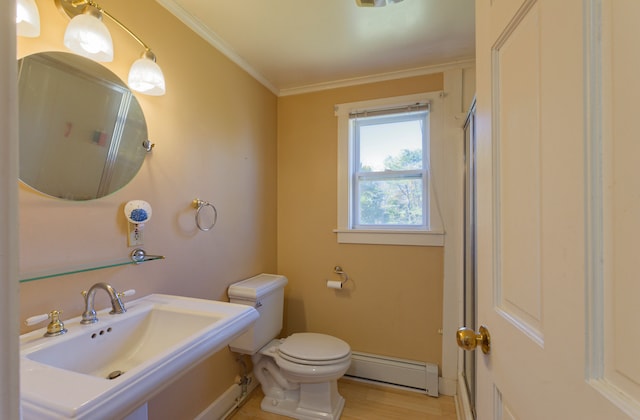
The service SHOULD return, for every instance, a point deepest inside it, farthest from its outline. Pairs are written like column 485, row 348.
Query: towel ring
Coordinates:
column 199, row 205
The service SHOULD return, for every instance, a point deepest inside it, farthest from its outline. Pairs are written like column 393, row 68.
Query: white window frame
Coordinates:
column 346, row 233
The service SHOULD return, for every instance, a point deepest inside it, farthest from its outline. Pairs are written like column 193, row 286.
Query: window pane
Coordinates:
column 390, row 202
column 391, row 146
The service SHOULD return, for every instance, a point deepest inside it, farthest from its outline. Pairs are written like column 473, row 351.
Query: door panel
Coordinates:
column 558, row 207
column 502, row 407
column 615, row 221
column 518, row 162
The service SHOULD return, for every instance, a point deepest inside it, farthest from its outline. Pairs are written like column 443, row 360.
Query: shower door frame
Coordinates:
column 469, row 294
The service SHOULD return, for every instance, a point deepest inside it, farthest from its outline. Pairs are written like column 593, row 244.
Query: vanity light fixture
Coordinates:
column 88, row 36
column 27, row 18
column 145, row 76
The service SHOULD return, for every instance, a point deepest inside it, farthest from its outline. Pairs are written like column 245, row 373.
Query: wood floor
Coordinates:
column 368, row 402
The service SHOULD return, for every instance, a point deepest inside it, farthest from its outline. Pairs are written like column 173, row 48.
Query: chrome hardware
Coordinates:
column 89, row 314
column 199, row 205
column 258, row 305
column 468, row 339
column 139, row 255
column 339, row 271
column 147, row 145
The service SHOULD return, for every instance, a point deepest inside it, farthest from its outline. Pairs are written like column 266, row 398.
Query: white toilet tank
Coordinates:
column 265, row 292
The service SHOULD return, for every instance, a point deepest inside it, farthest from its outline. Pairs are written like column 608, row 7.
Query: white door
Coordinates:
column 558, row 154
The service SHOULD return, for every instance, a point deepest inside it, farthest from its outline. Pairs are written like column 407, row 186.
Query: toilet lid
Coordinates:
column 313, row 347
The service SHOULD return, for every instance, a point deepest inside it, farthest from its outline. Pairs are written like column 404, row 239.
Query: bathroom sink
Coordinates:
column 108, row 369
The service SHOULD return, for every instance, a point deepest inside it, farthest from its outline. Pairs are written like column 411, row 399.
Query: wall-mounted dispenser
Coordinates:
column 137, row 212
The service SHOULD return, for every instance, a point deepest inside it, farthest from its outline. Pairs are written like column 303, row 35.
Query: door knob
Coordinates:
column 468, row 339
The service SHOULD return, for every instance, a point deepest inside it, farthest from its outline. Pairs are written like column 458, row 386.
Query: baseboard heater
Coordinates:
column 417, row 376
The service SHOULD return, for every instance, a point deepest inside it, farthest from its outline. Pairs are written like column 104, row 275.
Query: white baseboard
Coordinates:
column 227, row 402
column 417, row 376
column 448, row 386
column 398, row 373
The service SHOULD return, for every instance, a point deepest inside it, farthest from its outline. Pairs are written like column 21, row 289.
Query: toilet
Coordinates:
column 298, row 374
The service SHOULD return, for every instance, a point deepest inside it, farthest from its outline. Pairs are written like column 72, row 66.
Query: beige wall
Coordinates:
column 393, row 306
column 215, row 135
column 215, row 132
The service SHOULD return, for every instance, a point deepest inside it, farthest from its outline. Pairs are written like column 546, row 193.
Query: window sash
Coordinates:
column 357, row 123
column 362, row 177
column 388, row 116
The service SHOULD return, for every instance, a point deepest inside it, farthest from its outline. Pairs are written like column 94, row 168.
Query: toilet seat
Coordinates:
column 314, row 349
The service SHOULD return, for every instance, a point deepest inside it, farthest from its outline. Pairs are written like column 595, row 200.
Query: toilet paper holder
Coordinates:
column 344, row 276
column 338, row 270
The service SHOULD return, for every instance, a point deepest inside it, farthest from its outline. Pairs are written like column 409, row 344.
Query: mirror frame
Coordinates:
column 83, row 133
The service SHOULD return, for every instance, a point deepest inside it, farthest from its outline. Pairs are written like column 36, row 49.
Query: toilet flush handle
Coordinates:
column 258, row 304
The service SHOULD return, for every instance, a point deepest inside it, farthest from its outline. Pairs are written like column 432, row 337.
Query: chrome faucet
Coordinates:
column 89, row 314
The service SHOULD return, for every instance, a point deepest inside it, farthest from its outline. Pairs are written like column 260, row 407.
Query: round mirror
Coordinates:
column 81, row 129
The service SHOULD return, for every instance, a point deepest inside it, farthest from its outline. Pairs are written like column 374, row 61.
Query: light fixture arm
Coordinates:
column 124, row 28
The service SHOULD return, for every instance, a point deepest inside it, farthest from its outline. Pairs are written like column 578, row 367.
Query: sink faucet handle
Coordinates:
column 36, row 319
column 55, row 327
column 127, row 293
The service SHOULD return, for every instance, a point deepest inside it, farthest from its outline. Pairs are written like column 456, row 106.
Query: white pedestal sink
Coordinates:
column 108, row 369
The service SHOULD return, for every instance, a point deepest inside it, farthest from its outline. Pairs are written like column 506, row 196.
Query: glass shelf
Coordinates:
column 27, row 277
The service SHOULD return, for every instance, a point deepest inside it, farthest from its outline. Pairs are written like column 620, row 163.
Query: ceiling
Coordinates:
column 292, row 46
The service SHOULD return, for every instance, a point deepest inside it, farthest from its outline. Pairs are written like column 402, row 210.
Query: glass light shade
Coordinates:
column 88, row 36
column 145, row 76
column 27, row 18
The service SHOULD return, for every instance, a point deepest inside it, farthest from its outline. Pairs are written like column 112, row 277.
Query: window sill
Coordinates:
column 390, row 237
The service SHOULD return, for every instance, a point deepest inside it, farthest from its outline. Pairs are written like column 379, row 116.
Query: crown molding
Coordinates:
column 217, row 42
column 381, row 77
column 212, row 38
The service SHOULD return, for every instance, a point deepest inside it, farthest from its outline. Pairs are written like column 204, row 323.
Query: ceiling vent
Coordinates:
column 375, row 3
